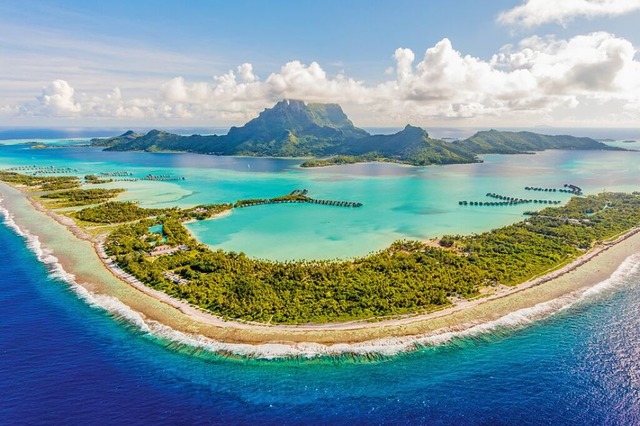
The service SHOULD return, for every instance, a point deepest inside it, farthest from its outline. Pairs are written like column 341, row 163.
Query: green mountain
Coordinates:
column 411, row 145
column 158, row 140
column 497, row 142
column 117, row 140
column 291, row 128
column 297, row 129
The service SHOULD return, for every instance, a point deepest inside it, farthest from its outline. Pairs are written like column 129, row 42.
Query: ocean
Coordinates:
column 66, row 360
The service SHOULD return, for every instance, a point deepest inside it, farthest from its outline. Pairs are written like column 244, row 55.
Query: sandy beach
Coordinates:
column 79, row 254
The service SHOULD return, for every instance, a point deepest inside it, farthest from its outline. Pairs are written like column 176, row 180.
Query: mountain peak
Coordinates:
column 292, row 121
column 290, row 103
column 130, row 134
column 414, row 130
column 156, row 132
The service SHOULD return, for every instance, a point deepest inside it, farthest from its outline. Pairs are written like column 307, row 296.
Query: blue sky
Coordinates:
column 459, row 63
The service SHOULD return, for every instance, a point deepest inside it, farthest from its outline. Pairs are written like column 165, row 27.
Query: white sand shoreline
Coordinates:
column 214, row 320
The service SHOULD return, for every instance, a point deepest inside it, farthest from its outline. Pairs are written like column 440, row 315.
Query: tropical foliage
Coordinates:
column 43, row 183
column 115, row 212
column 407, row 277
column 501, row 142
column 81, row 197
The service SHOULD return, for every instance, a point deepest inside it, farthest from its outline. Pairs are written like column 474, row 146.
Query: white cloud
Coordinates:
column 538, row 77
column 246, row 72
column 57, row 99
column 535, row 77
column 177, row 90
column 538, row 12
column 404, row 60
column 597, row 65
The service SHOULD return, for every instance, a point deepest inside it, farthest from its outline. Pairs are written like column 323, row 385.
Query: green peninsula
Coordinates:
column 294, row 128
column 408, row 277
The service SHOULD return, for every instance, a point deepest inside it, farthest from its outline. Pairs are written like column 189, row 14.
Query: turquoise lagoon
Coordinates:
column 399, row 202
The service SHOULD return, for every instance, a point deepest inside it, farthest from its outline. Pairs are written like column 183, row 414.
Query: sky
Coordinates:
column 459, row 63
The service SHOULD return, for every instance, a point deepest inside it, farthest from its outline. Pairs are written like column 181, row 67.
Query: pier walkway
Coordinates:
column 296, row 196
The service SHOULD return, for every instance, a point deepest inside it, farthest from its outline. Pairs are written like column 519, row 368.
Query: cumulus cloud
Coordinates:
column 597, row 66
column 538, row 12
column 536, row 76
column 246, row 72
column 57, row 99
column 177, row 90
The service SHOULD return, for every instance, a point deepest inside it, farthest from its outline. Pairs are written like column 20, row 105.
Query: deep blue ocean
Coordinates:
column 65, row 362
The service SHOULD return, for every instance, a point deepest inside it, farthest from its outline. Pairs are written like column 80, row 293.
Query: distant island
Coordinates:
column 294, row 128
column 613, row 140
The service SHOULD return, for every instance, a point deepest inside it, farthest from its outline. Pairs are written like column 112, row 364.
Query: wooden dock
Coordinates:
column 296, row 197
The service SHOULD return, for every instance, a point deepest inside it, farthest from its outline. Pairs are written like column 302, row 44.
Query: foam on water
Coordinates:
column 55, row 270
column 630, row 266
column 380, row 347
column 395, row 345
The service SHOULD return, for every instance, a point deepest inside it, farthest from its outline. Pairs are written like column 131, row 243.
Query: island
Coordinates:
column 294, row 128
column 407, row 293
column 150, row 248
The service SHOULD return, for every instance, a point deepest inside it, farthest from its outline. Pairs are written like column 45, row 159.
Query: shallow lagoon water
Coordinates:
column 399, row 202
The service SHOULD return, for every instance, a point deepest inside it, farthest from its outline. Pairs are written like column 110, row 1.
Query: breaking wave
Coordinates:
column 55, row 271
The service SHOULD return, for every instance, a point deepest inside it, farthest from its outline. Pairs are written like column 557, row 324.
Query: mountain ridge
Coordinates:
column 509, row 142
column 294, row 128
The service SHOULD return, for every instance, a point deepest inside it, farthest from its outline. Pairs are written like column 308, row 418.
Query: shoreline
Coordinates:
column 220, row 215
column 214, row 320
column 393, row 335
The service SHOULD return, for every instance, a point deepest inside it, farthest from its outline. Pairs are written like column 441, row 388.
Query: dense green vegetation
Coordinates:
column 342, row 159
column 93, row 179
column 293, row 128
column 81, row 197
column 297, row 129
column 499, row 142
column 108, row 142
column 251, row 202
column 408, row 277
column 127, row 211
column 410, row 146
column 203, row 212
column 116, row 212
column 44, row 183
column 413, row 146
column 290, row 128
